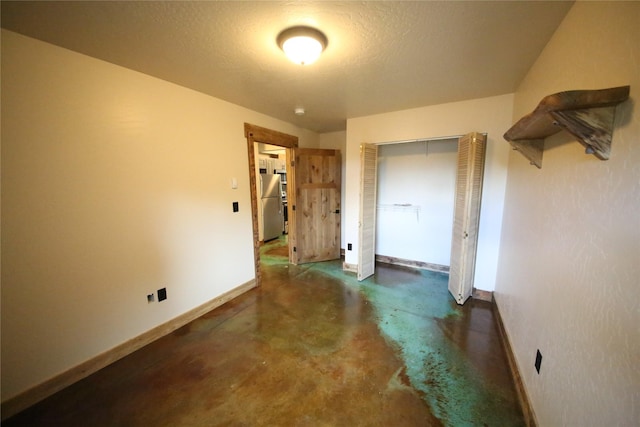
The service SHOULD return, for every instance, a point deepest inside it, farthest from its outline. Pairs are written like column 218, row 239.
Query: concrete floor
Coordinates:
column 311, row 347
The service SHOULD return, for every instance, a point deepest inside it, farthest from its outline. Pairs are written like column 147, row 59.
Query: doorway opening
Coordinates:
column 258, row 135
column 415, row 206
column 428, row 194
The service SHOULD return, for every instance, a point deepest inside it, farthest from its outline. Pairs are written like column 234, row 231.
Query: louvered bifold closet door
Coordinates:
column 471, row 154
column 367, row 220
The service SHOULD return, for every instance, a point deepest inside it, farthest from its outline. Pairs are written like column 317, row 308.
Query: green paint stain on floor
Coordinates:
column 418, row 317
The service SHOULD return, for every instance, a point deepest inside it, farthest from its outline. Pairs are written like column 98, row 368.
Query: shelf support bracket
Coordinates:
column 530, row 148
column 592, row 127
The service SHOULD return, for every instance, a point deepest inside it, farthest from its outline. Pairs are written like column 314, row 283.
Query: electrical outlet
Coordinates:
column 538, row 361
column 162, row 294
column 151, row 298
column 349, row 246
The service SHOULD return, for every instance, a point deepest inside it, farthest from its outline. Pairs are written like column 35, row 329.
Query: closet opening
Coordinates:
column 415, row 203
column 419, row 206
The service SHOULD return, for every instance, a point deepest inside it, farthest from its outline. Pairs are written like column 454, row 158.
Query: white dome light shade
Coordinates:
column 302, row 45
column 302, row 50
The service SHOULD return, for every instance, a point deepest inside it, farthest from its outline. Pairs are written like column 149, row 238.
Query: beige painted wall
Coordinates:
column 114, row 184
column 570, row 255
column 491, row 115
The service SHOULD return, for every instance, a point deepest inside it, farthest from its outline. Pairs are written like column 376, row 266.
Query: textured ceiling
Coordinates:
column 381, row 57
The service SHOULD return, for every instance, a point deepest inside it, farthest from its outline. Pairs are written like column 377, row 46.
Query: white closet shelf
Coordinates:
column 400, row 207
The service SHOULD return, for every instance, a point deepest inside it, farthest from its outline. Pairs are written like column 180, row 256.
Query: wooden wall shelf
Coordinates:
column 586, row 114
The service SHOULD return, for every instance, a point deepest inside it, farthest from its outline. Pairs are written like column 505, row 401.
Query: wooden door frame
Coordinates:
column 254, row 134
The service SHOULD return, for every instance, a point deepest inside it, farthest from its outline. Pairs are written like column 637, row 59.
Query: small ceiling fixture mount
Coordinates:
column 303, row 45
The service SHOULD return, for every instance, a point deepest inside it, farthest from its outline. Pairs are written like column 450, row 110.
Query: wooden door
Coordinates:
column 367, row 219
column 471, row 154
column 315, row 208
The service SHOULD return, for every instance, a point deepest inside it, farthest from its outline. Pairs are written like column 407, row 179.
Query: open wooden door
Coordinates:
column 471, row 154
column 314, row 208
column 367, row 219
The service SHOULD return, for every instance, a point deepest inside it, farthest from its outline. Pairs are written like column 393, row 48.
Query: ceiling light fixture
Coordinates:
column 299, row 111
column 303, row 45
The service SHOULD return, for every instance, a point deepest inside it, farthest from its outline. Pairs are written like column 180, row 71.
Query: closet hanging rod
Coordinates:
column 439, row 138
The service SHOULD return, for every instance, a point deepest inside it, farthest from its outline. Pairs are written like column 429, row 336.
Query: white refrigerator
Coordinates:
column 271, row 206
